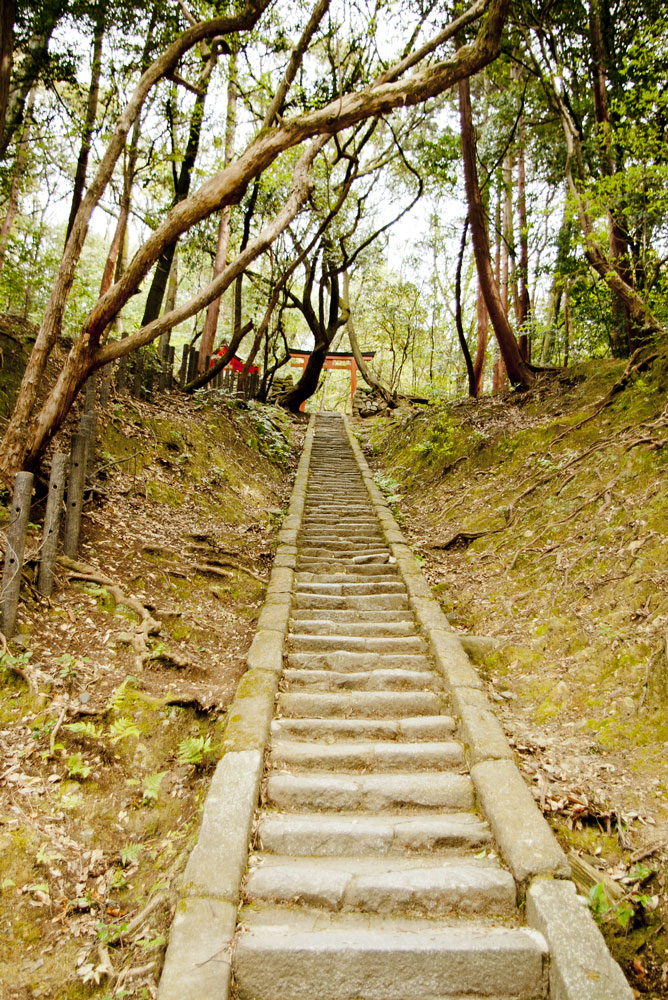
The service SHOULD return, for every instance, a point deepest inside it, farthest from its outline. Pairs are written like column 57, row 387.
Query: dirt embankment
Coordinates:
column 106, row 756
column 542, row 521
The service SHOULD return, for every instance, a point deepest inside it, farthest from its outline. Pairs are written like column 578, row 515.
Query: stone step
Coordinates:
column 340, row 530
column 395, row 645
column 355, row 661
column 283, row 954
column 336, row 791
column 329, row 834
column 361, row 628
column 360, row 755
column 334, row 615
column 375, row 566
column 380, row 602
column 304, row 577
column 415, row 728
column 346, row 522
column 425, row 886
column 338, row 552
column 353, row 588
column 394, row 586
column 359, row 704
column 394, row 679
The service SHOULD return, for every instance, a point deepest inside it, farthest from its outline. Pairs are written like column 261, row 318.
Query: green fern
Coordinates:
column 151, row 786
column 88, row 729
column 193, row 749
column 122, row 728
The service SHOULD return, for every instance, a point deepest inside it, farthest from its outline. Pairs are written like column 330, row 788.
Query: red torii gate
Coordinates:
column 337, row 361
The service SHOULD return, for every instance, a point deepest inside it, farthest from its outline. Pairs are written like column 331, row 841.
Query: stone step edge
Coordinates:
column 580, row 963
column 198, row 957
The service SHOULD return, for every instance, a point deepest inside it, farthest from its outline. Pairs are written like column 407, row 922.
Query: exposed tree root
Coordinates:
column 226, row 568
column 148, row 625
column 12, row 665
column 634, row 367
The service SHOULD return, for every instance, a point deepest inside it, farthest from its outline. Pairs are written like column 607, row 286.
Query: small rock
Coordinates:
column 561, row 692
column 627, row 706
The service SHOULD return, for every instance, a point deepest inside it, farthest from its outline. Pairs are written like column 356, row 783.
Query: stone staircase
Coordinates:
column 396, row 852
column 373, row 874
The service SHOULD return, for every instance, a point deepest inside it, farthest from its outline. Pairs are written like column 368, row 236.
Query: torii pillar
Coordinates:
column 335, row 361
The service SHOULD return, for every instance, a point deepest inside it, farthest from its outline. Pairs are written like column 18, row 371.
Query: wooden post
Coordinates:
column 88, row 427
column 75, row 491
column 193, row 362
column 16, row 542
column 89, row 405
column 353, row 383
column 52, row 523
column 170, row 366
column 184, row 365
column 105, row 385
column 139, row 375
column 121, row 374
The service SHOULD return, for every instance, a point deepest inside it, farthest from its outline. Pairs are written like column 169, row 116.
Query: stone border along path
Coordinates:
column 397, row 853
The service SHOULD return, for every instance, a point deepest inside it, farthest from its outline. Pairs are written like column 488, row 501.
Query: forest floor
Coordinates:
column 106, row 758
column 541, row 520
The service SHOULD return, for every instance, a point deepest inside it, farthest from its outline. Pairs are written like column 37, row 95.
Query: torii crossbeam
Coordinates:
column 337, row 361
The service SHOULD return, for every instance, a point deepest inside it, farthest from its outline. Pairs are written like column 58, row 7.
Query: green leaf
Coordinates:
column 151, row 786
column 122, row 729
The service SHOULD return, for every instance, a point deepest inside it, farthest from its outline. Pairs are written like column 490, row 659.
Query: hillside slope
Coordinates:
column 106, row 757
column 542, row 520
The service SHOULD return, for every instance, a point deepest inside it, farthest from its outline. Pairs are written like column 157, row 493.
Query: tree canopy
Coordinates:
column 488, row 182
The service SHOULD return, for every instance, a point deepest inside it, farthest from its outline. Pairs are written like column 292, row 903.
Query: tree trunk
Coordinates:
column 181, row 190
column 567, row 326
column 114, row 264
column 7, row 18
column 470, row 375
column 623, row 335
column 323, row 334
column 368, row 376
column 223, row 240
column 483, row 333
column 523, row 299
column 17, row 176
column 517, row 369
column 27, row 72
column 245, row 236
column 91, row 114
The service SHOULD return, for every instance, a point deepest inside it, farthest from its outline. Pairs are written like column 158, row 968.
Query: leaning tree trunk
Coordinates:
column 374, row 383
column 518, row 371
column 323, row 335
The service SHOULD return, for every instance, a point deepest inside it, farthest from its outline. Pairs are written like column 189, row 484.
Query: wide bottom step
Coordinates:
column 282, row 954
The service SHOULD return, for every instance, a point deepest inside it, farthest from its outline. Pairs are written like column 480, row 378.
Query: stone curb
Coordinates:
column 581, row 967
column 523, row 835
column 197, row 963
